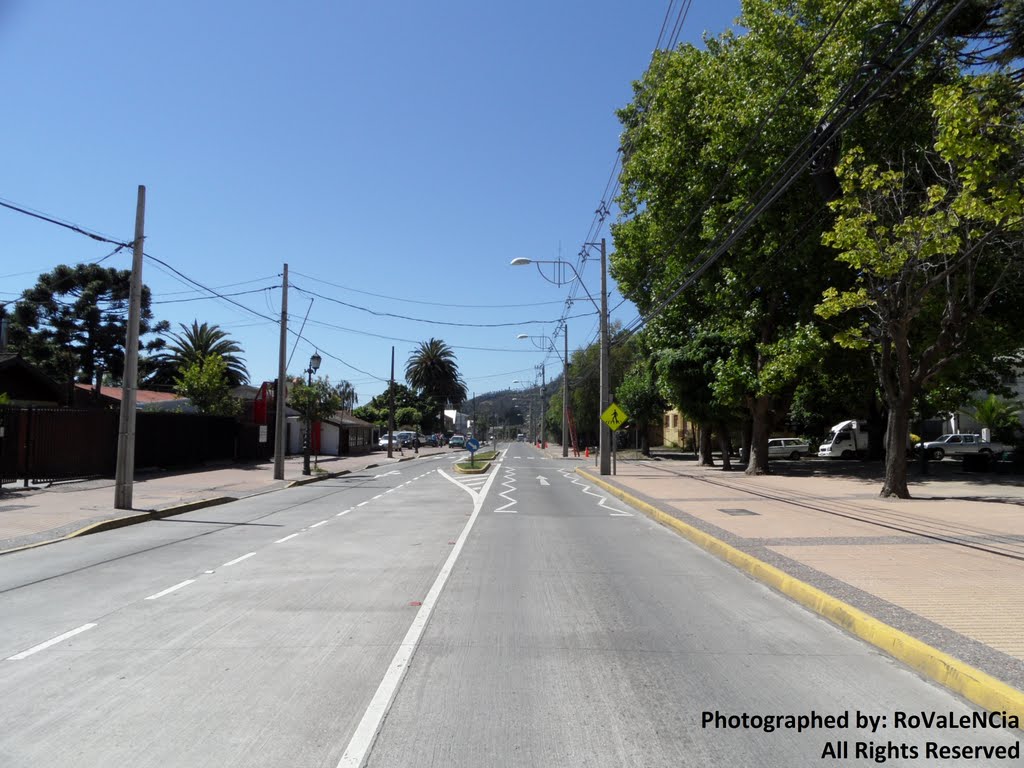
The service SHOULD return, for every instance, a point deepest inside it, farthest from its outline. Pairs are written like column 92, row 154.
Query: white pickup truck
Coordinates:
column 958, row 445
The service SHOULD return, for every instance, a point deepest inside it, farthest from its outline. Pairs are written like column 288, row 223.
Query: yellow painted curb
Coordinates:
column 958, row 676
column 472, row 471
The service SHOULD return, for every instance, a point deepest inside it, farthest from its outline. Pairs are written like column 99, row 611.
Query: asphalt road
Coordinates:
column 410, row 617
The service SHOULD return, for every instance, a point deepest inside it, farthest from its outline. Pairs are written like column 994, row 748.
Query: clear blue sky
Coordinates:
column 405, row 149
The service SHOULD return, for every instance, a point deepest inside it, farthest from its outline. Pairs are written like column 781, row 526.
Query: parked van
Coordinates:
column 846, row 440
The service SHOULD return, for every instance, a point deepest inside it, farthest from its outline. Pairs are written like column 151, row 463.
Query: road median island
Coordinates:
column 480, row 465
column 973, row 684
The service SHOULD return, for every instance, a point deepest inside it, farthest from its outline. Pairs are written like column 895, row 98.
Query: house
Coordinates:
column 26, row 385
column 676, row 431
column 341, row 435
column 145, row 399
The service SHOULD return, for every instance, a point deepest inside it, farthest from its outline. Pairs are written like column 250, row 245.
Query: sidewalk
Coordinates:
column 945, row 568
column 36, row 515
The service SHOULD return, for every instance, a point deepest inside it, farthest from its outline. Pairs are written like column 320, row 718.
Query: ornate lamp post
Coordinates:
column 559, row 278
column 314, row 366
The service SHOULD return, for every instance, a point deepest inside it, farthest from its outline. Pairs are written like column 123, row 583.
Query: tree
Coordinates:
column 316, row 401
column 205, row 383
column 640, row 397
column 347, row 393
column 1000, row 416
column 72, row 324
column 707, row 129
column 194, row 344
column 432, row 369
column 932, row 238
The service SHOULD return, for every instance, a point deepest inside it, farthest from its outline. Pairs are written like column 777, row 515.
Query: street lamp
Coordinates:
column 558, row 278
column 546, row 346
column 314, row 366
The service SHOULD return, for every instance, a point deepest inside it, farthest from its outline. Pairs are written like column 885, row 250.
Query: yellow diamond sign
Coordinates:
column 614, row 416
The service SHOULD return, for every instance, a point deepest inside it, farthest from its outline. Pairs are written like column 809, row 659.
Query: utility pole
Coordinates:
column 565, row 394
column 280, row 389
column 543, row 411
column 391, row 405
column 124, row 473
column 604, row 430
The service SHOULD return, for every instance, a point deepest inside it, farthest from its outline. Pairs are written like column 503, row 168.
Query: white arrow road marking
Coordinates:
column 543, row 480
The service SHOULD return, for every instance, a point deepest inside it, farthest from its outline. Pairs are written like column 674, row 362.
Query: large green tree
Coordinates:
column 706, row 133
column 73, row 323
column 193, row 344
column 933, row 238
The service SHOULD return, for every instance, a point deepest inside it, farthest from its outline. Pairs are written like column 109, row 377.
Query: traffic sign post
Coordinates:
column 614, row 417
column 472, row 444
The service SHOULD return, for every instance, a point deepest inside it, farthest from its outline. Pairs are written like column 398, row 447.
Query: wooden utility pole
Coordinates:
column 124, row 472
column 565, row 393
column 281, row 388
column 391, row 405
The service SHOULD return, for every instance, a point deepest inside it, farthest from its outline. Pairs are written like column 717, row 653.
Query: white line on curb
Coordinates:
column 48, row 643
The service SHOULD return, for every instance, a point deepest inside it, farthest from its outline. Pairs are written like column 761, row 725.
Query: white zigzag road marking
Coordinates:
column 588, row 489
column 509, row 483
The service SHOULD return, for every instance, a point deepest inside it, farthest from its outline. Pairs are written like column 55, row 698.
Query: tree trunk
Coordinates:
column 746, row 438
column 896, row 451
column 758, row 462
column 704, row 458
column 723, row 444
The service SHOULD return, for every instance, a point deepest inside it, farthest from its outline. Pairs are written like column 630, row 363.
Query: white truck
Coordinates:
column 846, row 440
column 959, row 445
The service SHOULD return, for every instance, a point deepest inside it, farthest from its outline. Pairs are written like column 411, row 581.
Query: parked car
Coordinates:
column 383, row 442
column 457, row 441
column 787, row 448
column 406, row 439
column 959, row 445
column 432, row 441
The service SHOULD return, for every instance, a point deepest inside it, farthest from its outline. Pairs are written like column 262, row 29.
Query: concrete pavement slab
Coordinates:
column 39, row 515
column 943, row 568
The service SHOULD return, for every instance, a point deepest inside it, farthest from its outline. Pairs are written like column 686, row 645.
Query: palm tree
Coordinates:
column 347, row 393
column 998, row 415
column 432, row 369
column 193, row 345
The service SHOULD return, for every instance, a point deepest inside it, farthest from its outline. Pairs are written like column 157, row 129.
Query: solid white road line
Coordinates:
column 238, row 559
column 317, row 525
column 48, row 643
column 168, row 591
column 281, row 541
column 366, row 732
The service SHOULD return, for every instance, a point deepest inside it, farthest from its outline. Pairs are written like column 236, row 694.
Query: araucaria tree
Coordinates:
column 73, row 323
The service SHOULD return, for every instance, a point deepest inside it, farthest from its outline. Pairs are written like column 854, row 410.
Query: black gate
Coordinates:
column 69, row 444
column 9, row 444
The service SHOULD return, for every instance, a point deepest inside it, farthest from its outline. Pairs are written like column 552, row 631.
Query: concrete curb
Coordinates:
column 974, row 685
column 122, row 522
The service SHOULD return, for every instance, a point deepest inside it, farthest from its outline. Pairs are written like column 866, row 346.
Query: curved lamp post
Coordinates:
column 558, row 278
column 314, row 366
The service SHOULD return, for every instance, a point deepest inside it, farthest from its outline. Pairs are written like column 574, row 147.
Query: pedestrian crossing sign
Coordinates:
column 614, row 416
